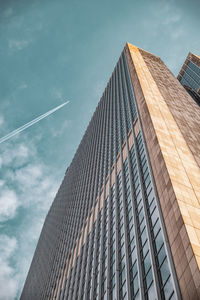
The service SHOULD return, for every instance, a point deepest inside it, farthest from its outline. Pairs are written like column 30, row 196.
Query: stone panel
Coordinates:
column 175, row 166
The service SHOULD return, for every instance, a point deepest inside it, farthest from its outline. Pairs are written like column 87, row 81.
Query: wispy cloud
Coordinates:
column 15, row 157
column 1, row 120
column 8, row 12
column 57, row 93
column 18, row 45
column 177, row 33
column 59, row 131
column 8, row 204
column 166, row 20
column 8, row 277
column 172, row 18
column 23, row 86
column 32, row 187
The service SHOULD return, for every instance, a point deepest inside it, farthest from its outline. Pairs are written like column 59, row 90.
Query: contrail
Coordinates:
column 18, row 130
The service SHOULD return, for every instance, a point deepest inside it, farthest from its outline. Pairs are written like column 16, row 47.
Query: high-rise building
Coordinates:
column 125, row 223
column 189, row 76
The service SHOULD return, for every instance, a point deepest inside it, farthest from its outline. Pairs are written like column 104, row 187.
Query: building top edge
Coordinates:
column 133, row 47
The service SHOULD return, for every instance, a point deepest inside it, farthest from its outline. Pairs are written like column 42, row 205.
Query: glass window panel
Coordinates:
column 139, row 196
column 145, row 249
column 133, row 255
column 131, row 233
column 164, row 271
column 113, row 280
column 151, row 293
column 148, row 189
column 141, row 215
column 123, row 275
column 124, row 293
column 113, row 268
column 134, row 269
column 173, row 296
column 143, row 236
column 147, row 263
column 122, row 230
column 156, row 227
column 130, row 214
column 159, row 241
column 140, row 205
column 161, row 255
column 131, row 223
column 144, row 166
column 113, row 293
column 135, row 284
column 146, row 174
column 147, row 180
column 137, row 296
column 132, row 244
column 152, row 207
column 168, row 289
column 142, row 225
column 150, row 196
column 122, row 251
column 136, row 182
column 193, row 75
column 154, row 216
column 129, row 201
column 149, row 278
column 194, row 67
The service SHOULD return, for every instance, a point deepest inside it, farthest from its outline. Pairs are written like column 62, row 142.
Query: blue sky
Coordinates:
column 52, row 51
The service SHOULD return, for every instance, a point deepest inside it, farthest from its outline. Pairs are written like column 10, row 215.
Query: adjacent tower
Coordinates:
column 189, row 76
column 125, row 223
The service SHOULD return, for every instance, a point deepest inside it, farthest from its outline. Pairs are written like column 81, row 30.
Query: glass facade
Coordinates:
column 104, row 229
column 190, row 79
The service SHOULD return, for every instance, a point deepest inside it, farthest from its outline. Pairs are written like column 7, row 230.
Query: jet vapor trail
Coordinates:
column 18, row 130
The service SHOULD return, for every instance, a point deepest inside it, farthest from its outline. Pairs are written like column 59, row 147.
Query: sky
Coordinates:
column 57, row 51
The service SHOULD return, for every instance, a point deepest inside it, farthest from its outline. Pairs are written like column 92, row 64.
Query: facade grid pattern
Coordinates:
column 104, row 236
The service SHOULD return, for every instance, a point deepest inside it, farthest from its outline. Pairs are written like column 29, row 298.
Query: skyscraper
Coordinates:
column 189, row 76
column 125, row 223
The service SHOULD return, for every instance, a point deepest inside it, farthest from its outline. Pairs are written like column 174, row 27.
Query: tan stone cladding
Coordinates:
column 171, row 123
column 183, row 108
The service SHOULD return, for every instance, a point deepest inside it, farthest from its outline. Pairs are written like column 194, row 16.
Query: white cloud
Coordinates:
column 167, row 19
column 8, row 277
column 2, row 182
column 60, row 130
column 23, row 151
column 23, row 86
column 172, row 18
column 28, row 176
column 57, row 93
column 7, row 246
column 8, row 12
column 176, row 34
column 1, row 120
column 14, row 44
column 35, row 185
column 8, row 204
column 26, row 244
column 33, row 188
column 15, row 156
